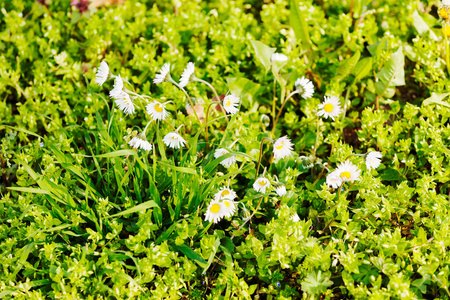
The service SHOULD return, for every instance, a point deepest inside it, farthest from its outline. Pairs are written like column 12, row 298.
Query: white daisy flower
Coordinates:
column 279, row 57
column 226, row 162
column 157, row 111
column 330, row 107
column 164, row 74
column 334, row 180
column 282, row 148
column 446, row 2
column 295, row 218
column 225, row 193
column 188, row 74
column 305, row 87
column 261, row 184
column 139, row 143
column 215, row 212
column 230, row 104
column 281, row 190
column 117, row 91
column 230, row 207
column 174, row 140
column 373, row 159
column 125, row 103
column 348, row 171
column 102, row 73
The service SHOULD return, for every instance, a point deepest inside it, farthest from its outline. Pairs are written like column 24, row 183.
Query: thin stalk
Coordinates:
column 317, row 139
column 187, row 96
column 206, row 125
column 215, row 95
column 251, row 216
column 281, row 109
column 174, row 129
column 447, row 54
column 273, row 99
column 260, row 155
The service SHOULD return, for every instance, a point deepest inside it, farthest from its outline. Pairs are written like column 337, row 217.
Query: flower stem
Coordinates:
column 447, row 54
column 187, row 96
column 215, row 95
column 317, row 139
column 206, row 125
column 281, row 109
column 260, row 155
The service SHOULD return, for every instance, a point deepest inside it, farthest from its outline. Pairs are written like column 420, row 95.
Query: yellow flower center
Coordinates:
column 346, row 174
column 158, row 107
column 262, row 182
column 280, row 146
column 328, row 107
column 228, row 103
column 174, row 137
column 215, row 208
column 227, row 204
column 443, row 13
column 225, row 192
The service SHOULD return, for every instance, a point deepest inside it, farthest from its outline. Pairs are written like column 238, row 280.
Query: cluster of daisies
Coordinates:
column 125, row 101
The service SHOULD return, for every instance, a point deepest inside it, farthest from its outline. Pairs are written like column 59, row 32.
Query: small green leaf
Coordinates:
column 316, row 283
column 263, row 53
column 436, row 99
column 422, row 27
column 191, row 254
column 346, row 68
column 362, row 68
column 137, row 208
column 392, row 74
column 390, row 174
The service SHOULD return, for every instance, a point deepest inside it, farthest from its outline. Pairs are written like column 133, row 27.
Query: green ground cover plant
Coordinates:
column 224, row 149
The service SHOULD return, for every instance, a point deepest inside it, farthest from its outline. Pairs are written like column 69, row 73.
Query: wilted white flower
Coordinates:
column 215, row 212
column 174, row 140
column 102, row 73
column 261, row 184
column 139, row 143
column 225, row 193
column 282, row 148
column 227, row 162
column 230, row 207
column 164, row 74
column 280, row 190
column 117, row 91
column 279, row 57
column 373, row 159
column 188, row 74
column 125, row 103
column 305, row 87
column 157, row 111
column 295, row 218
column 330, row 107
column 230, row 104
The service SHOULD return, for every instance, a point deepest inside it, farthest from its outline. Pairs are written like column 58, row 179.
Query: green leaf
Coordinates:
column 298, row 23
column 28, row 190
column 436, row 99
column 346, row 68
column 390, row 174
column 316, row 283
column 263, row 53
column 119, row 153
column 362, row 68
column 179, row 169
column 392, row 74
column 137, row 208
column 422, row 27
column 191, row 254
